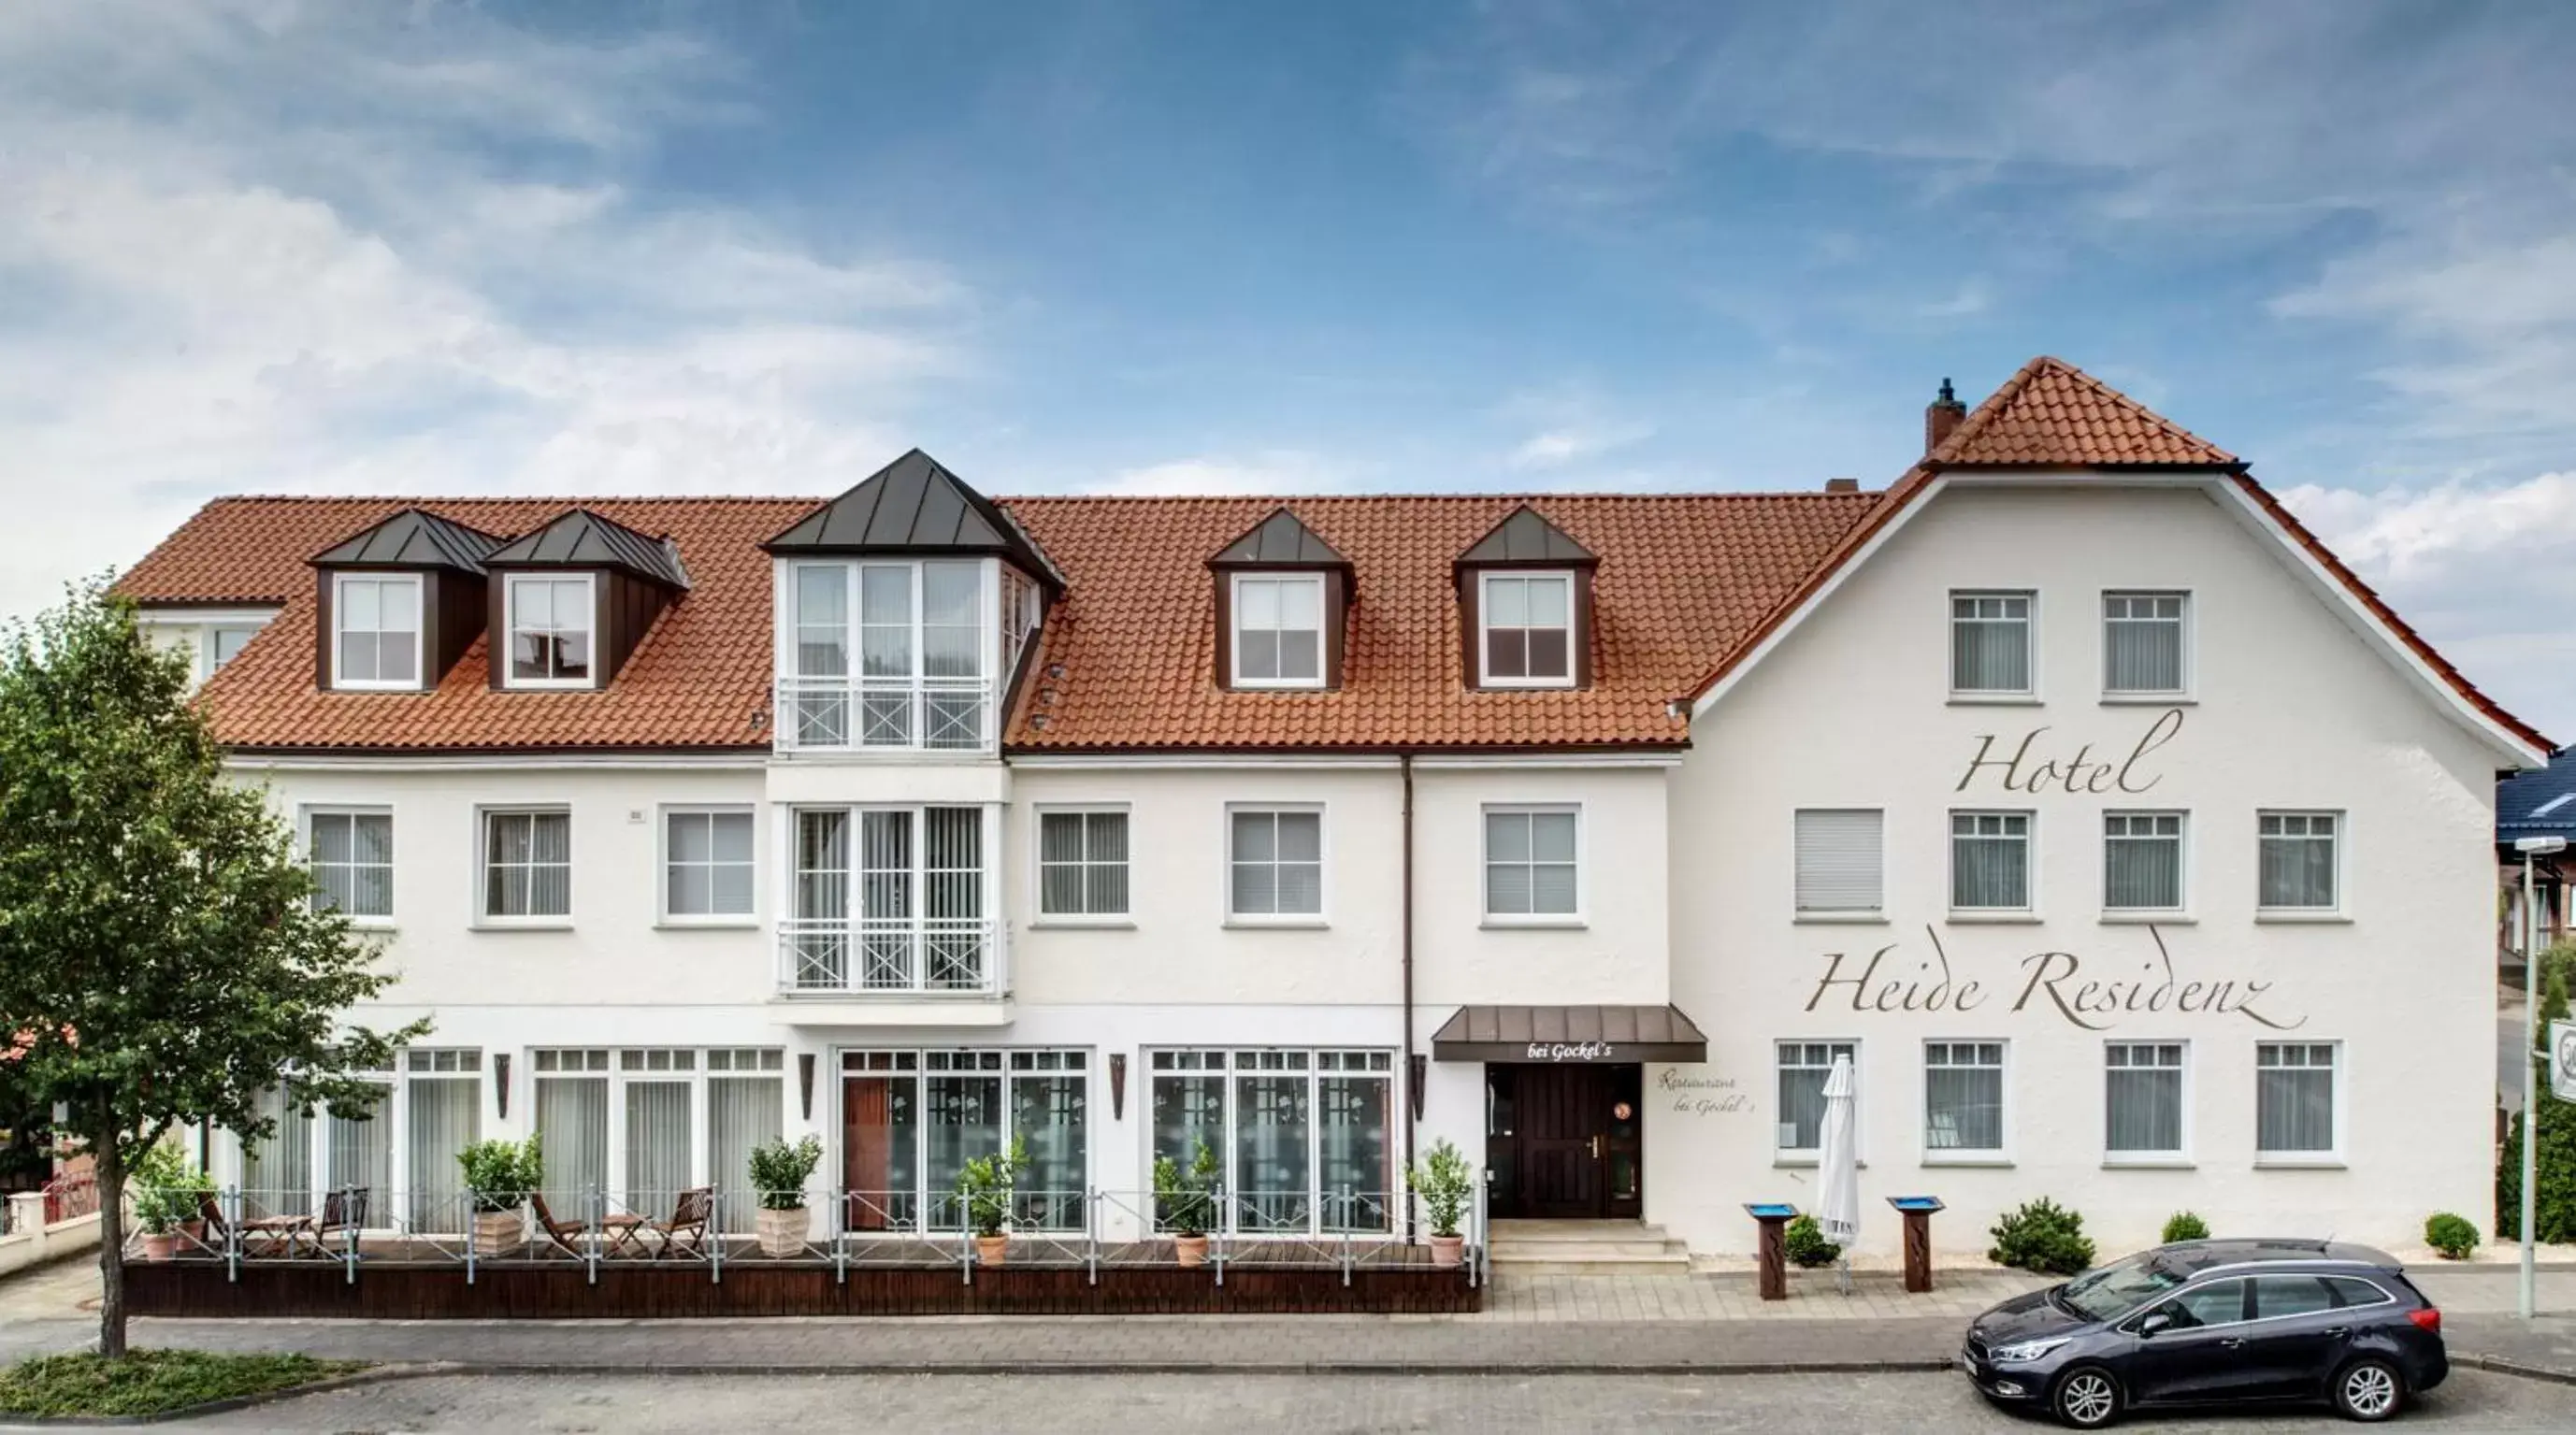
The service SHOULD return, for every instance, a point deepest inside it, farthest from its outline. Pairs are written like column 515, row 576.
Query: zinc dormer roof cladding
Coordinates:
column 583, row 539
column 414, row 539
column 915, row 506
column 618, row 582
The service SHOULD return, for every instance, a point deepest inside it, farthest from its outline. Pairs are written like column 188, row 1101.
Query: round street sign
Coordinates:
column 2562, row 1060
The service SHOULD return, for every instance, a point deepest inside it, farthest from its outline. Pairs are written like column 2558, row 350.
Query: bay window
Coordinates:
column 1301, row 1136
column 919, row 634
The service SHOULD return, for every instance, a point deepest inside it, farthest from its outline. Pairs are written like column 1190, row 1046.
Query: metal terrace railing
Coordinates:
column 852, row 714
column 889, row 956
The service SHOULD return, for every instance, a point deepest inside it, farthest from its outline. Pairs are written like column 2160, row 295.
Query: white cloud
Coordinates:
column 307, row 247
column 1278, row 471
column 1568, row 424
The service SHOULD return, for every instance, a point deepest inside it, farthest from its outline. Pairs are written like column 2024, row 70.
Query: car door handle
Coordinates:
column 2231, row 1342
column 2339, row 1332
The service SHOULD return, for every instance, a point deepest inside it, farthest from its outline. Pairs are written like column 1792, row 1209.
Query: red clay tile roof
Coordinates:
column 697, row 681
column 2054, row 415
column 1681, row 577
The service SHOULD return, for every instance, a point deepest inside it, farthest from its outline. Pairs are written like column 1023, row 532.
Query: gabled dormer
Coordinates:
column 1283, row 598
column 907, row 608
column 570, row 601
column 398, row 603
column 1525, row 606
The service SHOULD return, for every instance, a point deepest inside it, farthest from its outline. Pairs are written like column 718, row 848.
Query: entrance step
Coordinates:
column 1568, row 1248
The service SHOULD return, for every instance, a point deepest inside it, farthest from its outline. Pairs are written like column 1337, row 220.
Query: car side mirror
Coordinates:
column 2154, row 1324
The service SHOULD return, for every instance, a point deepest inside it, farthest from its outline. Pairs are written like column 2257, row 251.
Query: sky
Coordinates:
column 328, row 246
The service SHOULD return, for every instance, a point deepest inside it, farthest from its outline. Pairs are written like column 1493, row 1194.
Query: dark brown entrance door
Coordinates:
column 1559, row 1144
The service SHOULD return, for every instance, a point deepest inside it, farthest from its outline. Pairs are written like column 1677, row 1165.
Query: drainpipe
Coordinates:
column 1412, row 1096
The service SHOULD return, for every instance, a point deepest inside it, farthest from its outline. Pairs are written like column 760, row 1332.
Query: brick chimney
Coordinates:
column 1942, row 416
column 1842, row 485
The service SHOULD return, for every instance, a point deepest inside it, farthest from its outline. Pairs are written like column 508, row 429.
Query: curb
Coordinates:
column 2498, row 1365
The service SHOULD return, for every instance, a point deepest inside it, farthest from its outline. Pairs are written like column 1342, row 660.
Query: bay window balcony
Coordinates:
column 888, row 656
column 892, row 902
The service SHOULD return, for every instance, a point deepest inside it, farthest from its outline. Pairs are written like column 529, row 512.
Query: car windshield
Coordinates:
column 2118, row 1287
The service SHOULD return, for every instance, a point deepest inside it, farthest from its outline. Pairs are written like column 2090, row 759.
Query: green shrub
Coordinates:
column 2554, row 1208
column 2184, row 1226
column 2452, row 1235
column 2042, row 1236
column 1184, row 1199
column 986, row 1184
column 779, row 1172
column 500, row 1174
column 1807, row 1245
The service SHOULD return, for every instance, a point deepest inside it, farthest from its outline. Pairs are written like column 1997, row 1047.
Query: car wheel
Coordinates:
column 2087, row 1398
column 2368, row 1390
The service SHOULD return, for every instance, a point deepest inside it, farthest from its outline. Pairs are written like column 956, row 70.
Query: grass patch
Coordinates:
column 148, row 1382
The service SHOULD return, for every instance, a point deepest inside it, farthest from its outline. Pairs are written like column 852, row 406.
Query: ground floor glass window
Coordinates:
column 1301, row 1136
column 911, row 1120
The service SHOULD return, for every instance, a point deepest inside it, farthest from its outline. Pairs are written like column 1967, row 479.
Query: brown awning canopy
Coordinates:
column 1569, row 1033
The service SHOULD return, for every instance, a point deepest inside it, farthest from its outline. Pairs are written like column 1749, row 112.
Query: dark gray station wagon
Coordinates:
column 2214, row 1322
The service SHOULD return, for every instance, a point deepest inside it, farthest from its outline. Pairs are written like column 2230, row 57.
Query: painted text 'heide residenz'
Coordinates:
column 2133, row 850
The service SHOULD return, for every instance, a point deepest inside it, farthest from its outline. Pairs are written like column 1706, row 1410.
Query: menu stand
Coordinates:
column 1917, row 1211
column 1774, row 1218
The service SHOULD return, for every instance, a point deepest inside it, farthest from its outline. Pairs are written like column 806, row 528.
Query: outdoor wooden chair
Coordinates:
column 344, row 1212
column 689, row 1216
column 567, row 1234
column 258, row 1235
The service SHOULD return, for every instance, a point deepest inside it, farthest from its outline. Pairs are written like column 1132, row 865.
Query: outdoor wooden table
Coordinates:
column 1774, row 1218
column 1917, row 1211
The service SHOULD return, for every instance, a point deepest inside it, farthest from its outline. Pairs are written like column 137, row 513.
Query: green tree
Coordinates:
column 161, row 960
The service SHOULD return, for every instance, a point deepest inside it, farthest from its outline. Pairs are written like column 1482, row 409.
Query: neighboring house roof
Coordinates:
column 2538, row 803
column 1689, row 590
column 2054, row 416
column 700, row 679
column 583, row 539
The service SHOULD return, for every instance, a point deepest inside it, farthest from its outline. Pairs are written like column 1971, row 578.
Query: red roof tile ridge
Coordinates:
column 1482, row 495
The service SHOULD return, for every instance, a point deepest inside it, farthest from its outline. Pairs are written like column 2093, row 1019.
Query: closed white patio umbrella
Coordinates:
column 1838, row 1167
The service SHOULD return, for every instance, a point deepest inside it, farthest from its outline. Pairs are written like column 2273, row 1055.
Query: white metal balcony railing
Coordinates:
column 889, row 956
column 861, row 713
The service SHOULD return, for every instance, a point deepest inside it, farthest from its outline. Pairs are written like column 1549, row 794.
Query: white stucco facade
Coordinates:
column 1687, row 873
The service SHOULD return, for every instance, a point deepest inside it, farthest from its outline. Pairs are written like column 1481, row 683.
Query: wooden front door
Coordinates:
column 868, row 1123
column 1559, row 1146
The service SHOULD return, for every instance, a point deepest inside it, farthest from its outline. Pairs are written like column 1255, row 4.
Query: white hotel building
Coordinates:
column 2135, row 852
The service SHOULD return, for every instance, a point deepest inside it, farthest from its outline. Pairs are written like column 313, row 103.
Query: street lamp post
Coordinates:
column 2530, row 848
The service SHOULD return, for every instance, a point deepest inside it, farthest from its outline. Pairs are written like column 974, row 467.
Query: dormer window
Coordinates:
column 1278, row 631
column 376, row 637
column 551, row 623
column 1525, row 606
column 1528, row 639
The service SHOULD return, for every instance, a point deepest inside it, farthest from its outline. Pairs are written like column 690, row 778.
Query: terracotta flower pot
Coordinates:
column 160, row 1246
column 991, row 1250
column 782, row 1233
column 498, row 1231
column 1192, row 1250
column 1447, row 1251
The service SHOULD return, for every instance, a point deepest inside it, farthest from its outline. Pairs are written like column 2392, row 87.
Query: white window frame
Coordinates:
column 2180, row 1156
column 1998, row 1155
column 1808, row 1155
column 662, row 864
column 484, row 918
column 2331, row 912
column 510, row 585
column 2181, row 910
column 1039, row 916
column 2340, row 1092
column 212, row 644
column 1231, row 1064
column 1484, row 626
column 2188, row 654
column 1322, row 915
column 2029, row 693
column 370, row 921
column 420, row 679
column 1580, row 916
column 1876, row 914
column 2029, row 910
column 1234, row 622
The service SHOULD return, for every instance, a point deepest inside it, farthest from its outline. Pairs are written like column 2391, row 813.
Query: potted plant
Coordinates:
column 1183, row 1204
column 498, row 1177
column 1444, row 1181
column 985, row 1187
column 166, row 1191
column 778, row 1175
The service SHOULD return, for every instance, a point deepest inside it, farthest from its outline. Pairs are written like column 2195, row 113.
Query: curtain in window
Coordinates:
column 1049, row 1112
column 572, row 1132
column 353, row 854
column 359, row 1151
column 2143, row 1097
column 529, row 860
column 1839, row 866
column 444, row 1116
column 1803, row 1069
column 962, row 1120
column 1082, row 863
column 885, row 897
column 1529, row 863
column 1271, row 1176
column 2142, row 643
column 1359, row 1191
column 277, row 1176
column 657, row 1145
column 822, row 622
column 1989, row 861
column 2294, row 1097
column 2297, row 861
column 1963, row 1096
column 742, row 1112
column 2142, row 861
column 952, row 629
column 1278, row 863
column 1990, row 644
